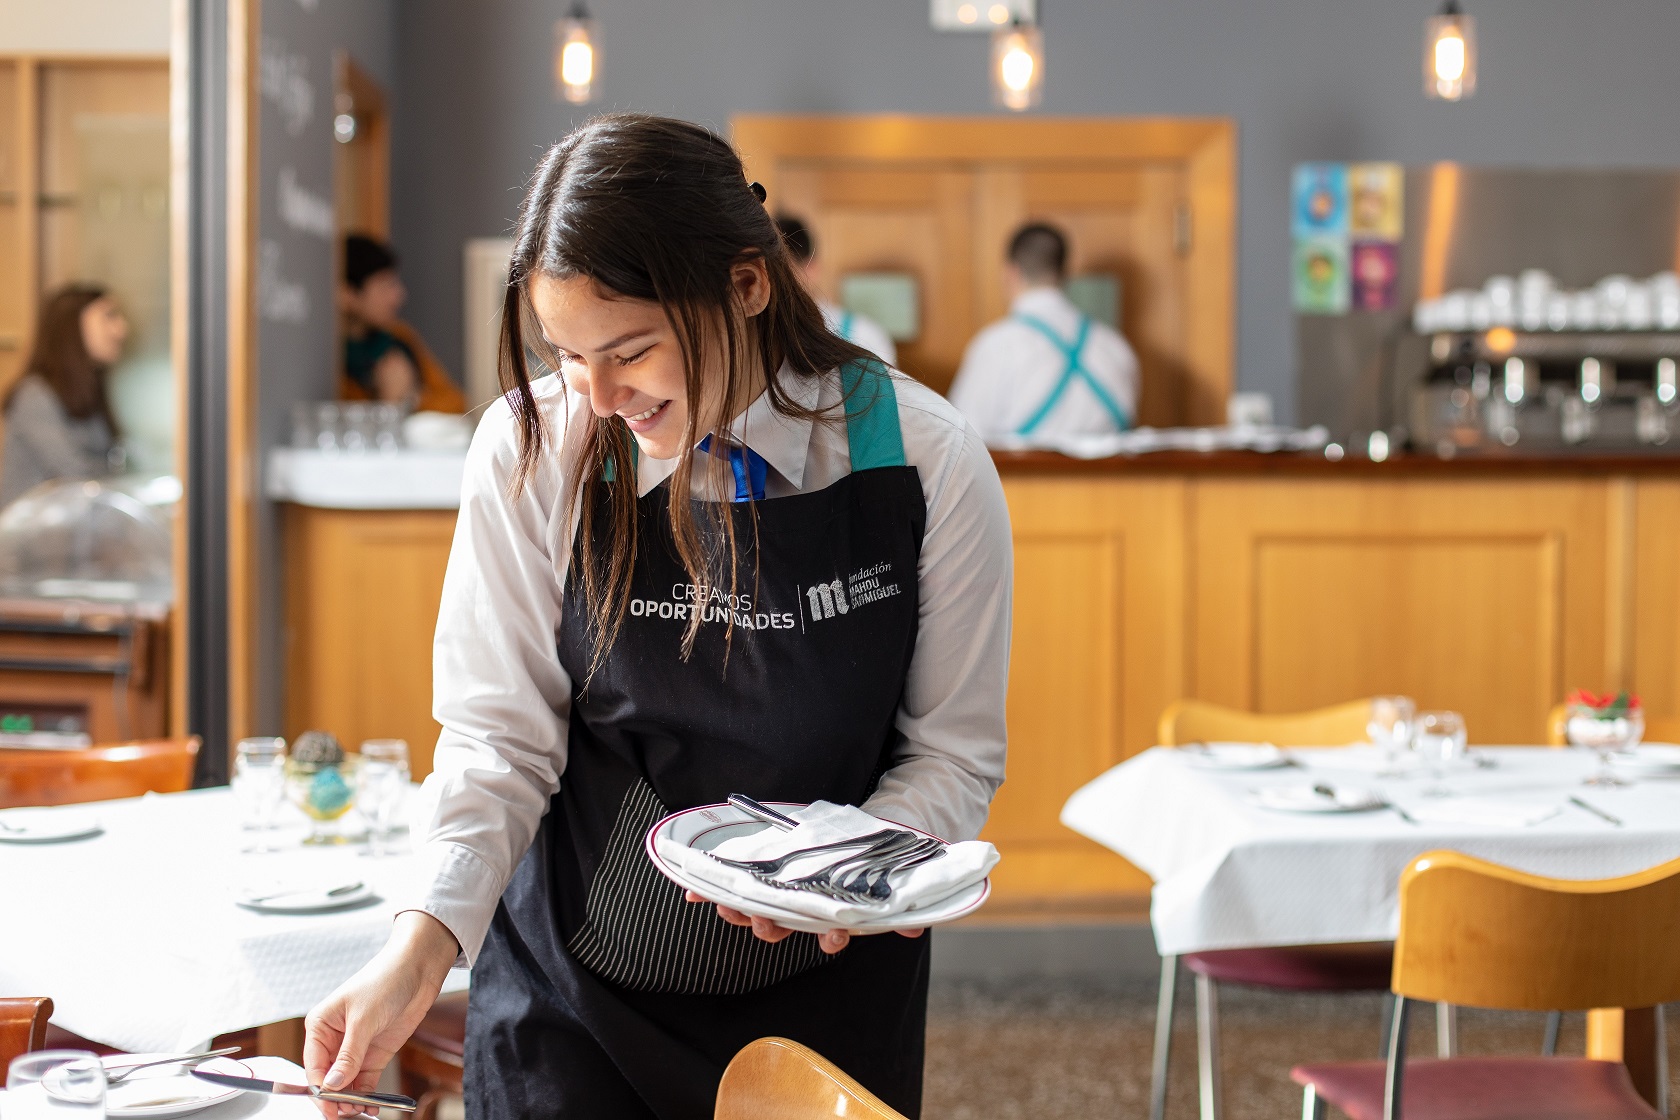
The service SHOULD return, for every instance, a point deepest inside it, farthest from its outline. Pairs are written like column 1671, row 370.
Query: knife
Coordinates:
column 344, row 1096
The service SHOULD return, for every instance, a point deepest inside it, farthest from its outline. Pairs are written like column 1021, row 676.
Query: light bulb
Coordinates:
column 1449, row 54
column 577, row 64
column 1017, row 66
column 998, row 14
column 968, row 13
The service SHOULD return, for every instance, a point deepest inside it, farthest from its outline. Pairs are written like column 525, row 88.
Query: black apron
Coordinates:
column 599, row 991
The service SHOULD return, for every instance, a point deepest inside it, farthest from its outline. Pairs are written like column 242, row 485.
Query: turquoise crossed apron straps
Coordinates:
column 1073, row 370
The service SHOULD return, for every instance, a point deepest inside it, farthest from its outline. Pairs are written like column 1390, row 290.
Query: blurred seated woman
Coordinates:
column 58, row 418
column 384, row 358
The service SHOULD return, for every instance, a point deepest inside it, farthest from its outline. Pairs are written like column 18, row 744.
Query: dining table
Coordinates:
column 1305, row 846
column 137, row 933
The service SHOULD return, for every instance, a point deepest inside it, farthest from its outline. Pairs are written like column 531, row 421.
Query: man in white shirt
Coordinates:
column 1048, row 369
column 849, row 325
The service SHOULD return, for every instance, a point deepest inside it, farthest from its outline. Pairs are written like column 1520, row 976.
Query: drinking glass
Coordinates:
column 328, row 422
column 259, row 784
column 1390, row 724
column 387, row 426
column 1606, row 735
column 381, row 782
column 1439, row 737
column 60, row 1084
column 357, row 431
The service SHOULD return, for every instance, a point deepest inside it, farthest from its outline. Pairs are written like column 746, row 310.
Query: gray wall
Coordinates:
column 1562, row 83
column 295, row 283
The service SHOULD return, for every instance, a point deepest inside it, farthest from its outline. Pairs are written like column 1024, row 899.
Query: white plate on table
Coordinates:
column 1308, row 799
column 1650, row 760
column 46, row 826
column 707, row 826
column 175, row 1090
column 1235, row 756
column 324, row 898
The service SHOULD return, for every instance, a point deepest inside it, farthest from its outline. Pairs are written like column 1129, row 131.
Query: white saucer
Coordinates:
column 178, row 1092
column 46, row 826
column 1304, row 799
column 305, row 899
column 1651, row 760
column 707, row 826
column 1235, row 756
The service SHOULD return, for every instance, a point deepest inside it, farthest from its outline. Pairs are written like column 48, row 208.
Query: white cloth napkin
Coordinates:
column 1484, row 810
column 823, row 822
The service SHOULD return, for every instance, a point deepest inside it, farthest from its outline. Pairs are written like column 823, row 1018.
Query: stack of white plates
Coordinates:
column 1234, row 756
column 1650, row 760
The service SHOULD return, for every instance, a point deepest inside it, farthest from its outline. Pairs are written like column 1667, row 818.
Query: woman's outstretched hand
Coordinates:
column 353, row 1034
column 765, row 929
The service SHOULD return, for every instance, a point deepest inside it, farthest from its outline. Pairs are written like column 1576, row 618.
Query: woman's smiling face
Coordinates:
column 627, row 358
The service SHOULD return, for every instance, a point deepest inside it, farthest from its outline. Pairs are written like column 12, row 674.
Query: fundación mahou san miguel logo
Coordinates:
column 816, row 602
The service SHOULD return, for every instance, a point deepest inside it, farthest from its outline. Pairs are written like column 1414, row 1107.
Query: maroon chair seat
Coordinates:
column 1362, row 967
column 1483, row 1089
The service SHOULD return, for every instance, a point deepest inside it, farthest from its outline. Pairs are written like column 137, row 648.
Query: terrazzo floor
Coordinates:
column 1040, row 1052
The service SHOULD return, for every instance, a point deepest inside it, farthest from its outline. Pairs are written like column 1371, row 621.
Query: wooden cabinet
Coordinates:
column 362, row 593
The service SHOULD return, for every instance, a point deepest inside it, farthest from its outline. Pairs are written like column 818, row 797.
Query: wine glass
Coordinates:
column 1439, row 737
column 1606, row 730
column 1390, row 725
column 259, row 783
column 381, row 781
column 60, row 1084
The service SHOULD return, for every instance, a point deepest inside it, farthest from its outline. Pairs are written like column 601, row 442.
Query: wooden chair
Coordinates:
column 1483, row 935
column 1363, row 967
column 432, row 1060
column 1657, row 730
column 30, row 777
column 778, row 1079
column 23, row 1026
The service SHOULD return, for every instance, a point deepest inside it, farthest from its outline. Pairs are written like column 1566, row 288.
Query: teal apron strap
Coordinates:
column 872, row 431
column 608, row 474
column 844, row 327
column 1074, row 369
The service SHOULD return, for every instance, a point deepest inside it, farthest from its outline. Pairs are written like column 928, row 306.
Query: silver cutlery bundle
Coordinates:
column 861, row 875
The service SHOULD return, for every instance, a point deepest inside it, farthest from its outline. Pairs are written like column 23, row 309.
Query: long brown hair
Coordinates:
column 61, row 359
column 658, row 210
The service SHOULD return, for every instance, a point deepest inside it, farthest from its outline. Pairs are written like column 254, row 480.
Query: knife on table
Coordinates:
column 342, row 1096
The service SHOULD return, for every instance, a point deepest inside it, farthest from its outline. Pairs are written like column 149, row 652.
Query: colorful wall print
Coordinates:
column 1320, row 199
column 1321, row 274
column 1376, row 201
column 1374, row 269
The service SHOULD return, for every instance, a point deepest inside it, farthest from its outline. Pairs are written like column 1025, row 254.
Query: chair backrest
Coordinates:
column 96, row 773
column 778, row 1078
column 23, row 1026
column 1194, row 721
column 1483, row 935
column 1657, row 730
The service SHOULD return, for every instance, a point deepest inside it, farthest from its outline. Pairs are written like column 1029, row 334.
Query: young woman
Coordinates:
column 58, row 421
column 625, row 631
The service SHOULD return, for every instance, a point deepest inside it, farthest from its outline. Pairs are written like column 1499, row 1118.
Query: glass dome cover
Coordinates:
column 83, row 539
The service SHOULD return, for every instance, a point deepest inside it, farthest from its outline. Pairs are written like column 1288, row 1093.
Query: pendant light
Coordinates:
column 1449, row 54
column 577, row 56
column 1017, row 66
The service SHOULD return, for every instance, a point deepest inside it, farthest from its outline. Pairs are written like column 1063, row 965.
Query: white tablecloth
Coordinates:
column 1231, row 875
column 135, row 936
column 249, row 1106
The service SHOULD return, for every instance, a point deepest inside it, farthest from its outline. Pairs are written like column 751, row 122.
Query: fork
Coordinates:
column 771, row 866
column 178, row 1059
column 829, row 880
column 874, row 883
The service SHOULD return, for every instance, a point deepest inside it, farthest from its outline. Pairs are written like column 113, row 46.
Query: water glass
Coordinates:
column 60, row 1084
column 387, row 426
column 1606, row 736
column 1390, row 723
column 357, row 431
column 259, row 785
column 328, row 422
column 1439, row 736
column 381, row 783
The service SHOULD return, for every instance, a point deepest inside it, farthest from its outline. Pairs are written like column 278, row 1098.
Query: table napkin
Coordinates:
column 1484, row 810
column 822, row 822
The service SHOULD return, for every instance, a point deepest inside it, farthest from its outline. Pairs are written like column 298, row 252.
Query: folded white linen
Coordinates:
column 822, row 822
column 1484, row 810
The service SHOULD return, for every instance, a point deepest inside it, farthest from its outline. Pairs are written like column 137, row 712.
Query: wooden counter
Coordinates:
column 1272, row 582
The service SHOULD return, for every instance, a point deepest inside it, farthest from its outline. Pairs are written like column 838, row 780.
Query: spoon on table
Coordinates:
column 178, row 1059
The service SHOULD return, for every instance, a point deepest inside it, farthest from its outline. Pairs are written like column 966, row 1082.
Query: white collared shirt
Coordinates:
column 861, row 330
column 1010, row 369
column 504, row 699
